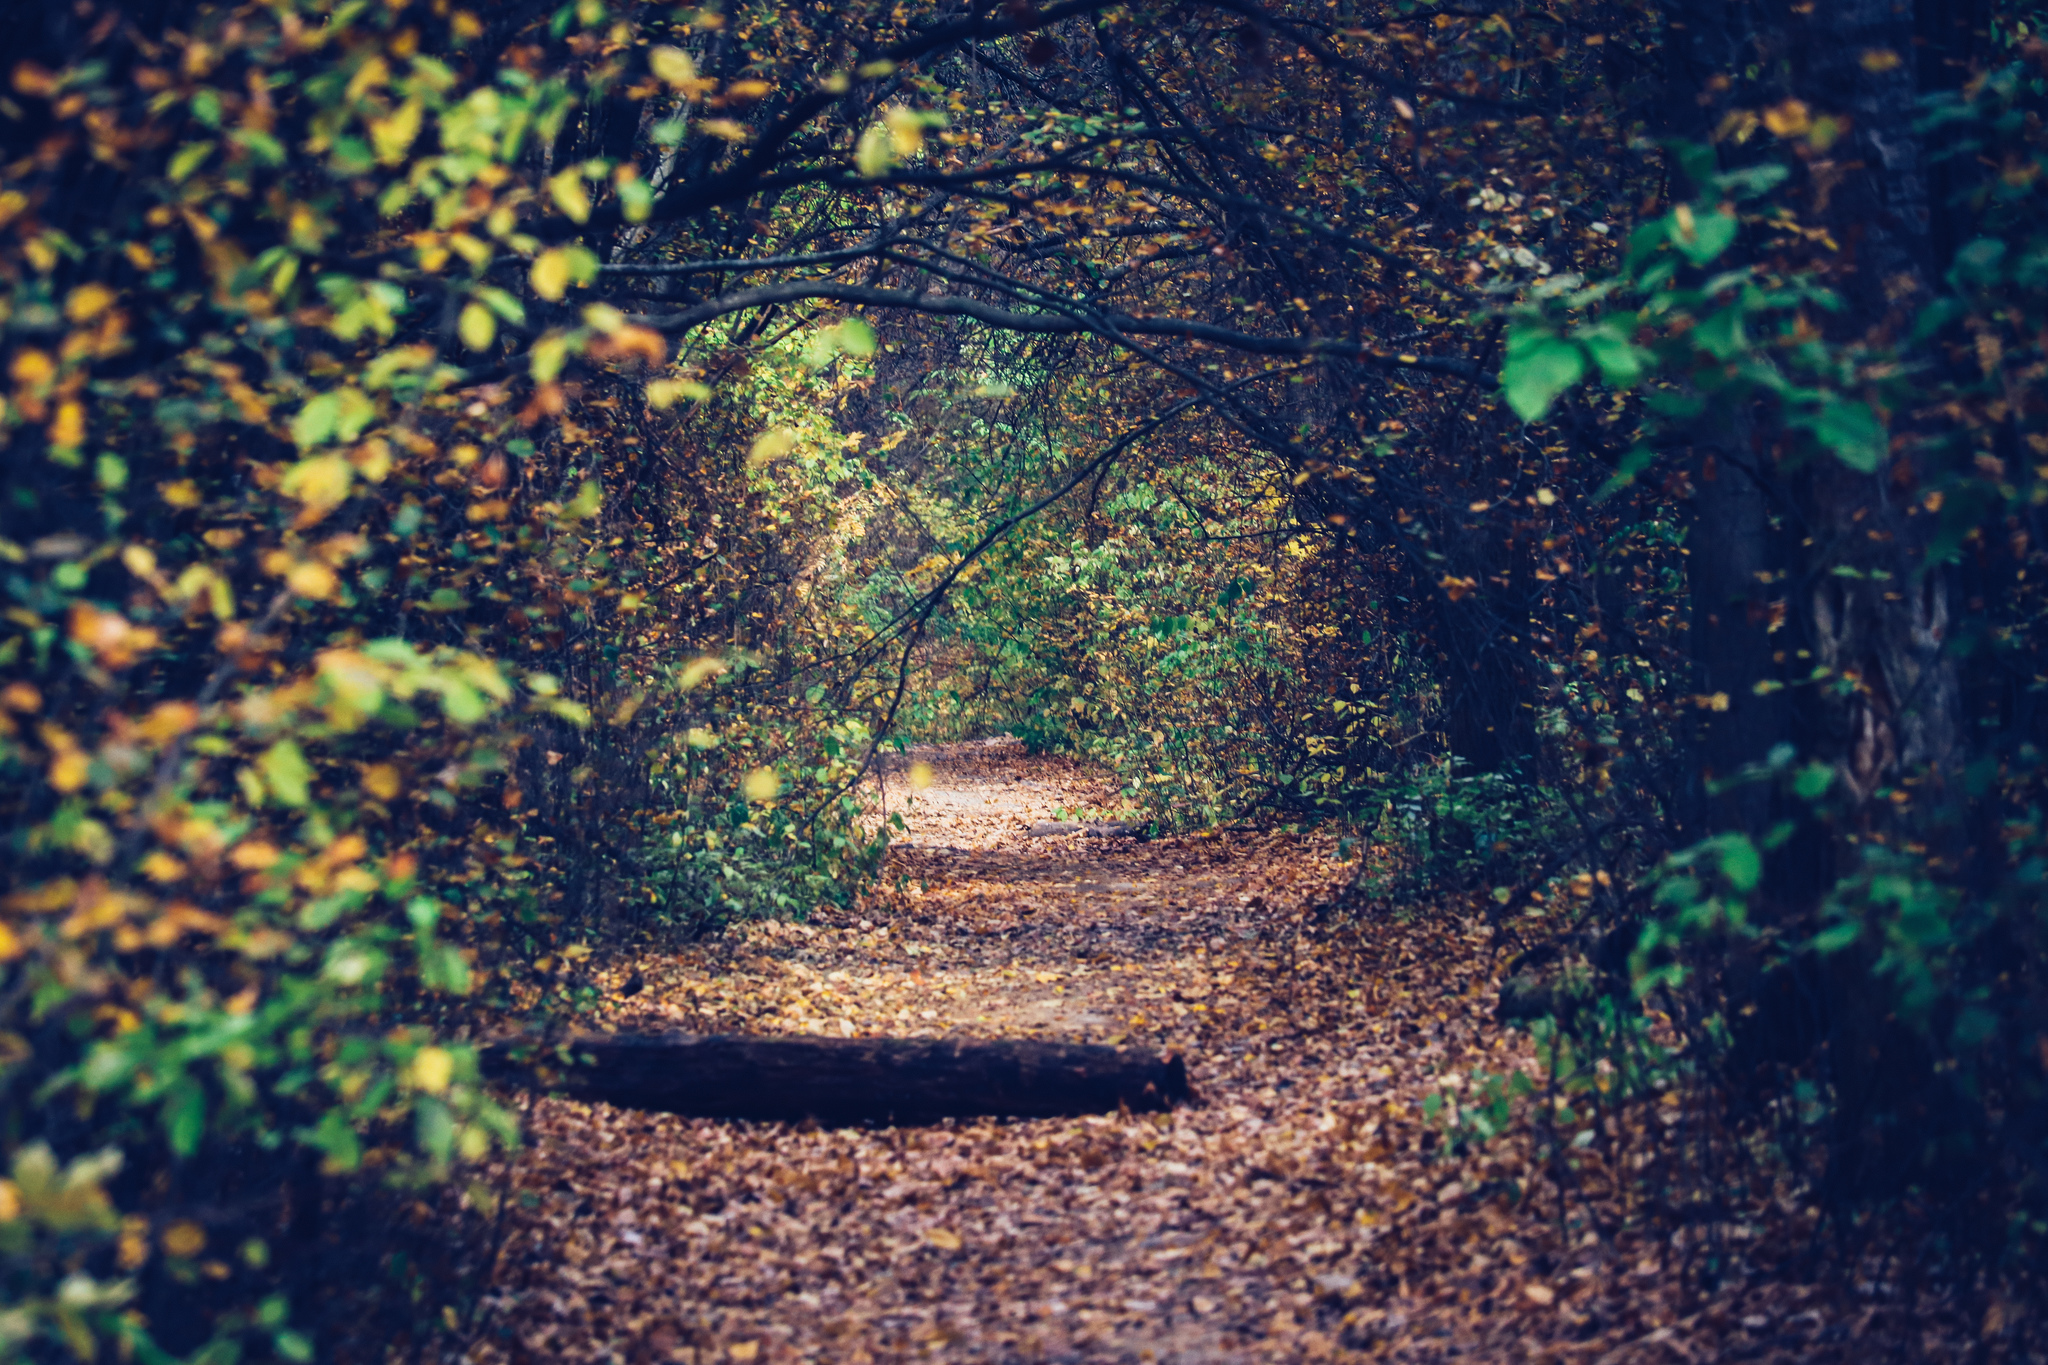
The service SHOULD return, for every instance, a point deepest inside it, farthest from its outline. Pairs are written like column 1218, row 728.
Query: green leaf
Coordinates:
column 636, row 200
column 260, row 145
column 856, row 337
column 1812, row 781
column 424, row 912
column 1643, row 244
column 1677, row 404
column 1631, row 467
column 286, row 773
column 184, row 1115
column 1711, row 234
column 461, row 703
column 505, row 305
column 443, row 968
column 1850, row 429
column 1539, row 367
column 1621, row 362
column 338, row 415
column 1751, row 181
column 315, row 422
column 1721, row 335
column 1741, row 865
column 1836, row 937
column 586, row 502
column 333, row 1136
column 1976, row 263
column 434, row 1128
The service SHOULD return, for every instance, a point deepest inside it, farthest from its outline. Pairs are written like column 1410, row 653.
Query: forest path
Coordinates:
column 1298, row 1211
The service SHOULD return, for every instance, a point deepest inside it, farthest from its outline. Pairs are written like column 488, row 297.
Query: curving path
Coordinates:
column 1299, row 1212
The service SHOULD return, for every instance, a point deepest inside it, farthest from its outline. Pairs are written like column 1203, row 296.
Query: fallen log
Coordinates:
column 846, row 1080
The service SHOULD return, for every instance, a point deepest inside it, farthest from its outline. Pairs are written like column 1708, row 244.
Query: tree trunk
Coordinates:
column 850, row 1080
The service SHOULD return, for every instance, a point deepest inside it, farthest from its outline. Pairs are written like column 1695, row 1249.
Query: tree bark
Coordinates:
column 850, row 1080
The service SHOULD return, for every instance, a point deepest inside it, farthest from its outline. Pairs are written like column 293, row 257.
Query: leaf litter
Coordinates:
column 1302, row 1209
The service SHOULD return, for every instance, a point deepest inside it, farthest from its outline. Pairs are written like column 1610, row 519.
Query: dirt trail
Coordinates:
column 1298, row 1212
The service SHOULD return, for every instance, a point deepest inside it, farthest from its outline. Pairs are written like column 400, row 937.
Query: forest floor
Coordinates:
column 1301, row 1209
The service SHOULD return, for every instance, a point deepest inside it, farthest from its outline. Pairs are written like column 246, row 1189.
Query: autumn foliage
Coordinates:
column 486, row 486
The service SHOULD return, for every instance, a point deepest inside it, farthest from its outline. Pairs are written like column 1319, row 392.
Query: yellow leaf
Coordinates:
column 872, row 154
column 700, row 668
column 161, row 867
column 67, row 428
column 254, row 856
column 354, row 687
column 475, row 250
column 393, row 135
column 322, row 481
column 52, row 895
column 1881, row 59
column 381, row 780
column 186, row 1239
column 550, row 274
column 372, row 459
column 920, row 776
column 32, row 369
column 368, row 77
column 110, row 635
column 1788, row 119
column 477, row 326
column 167, row 720
column 550, row 353
column 184, row 493
column 906, row 131
column 570, row 195
column 666, row 393
column 1540, row 1294
column 762, row 784
column 771, row 445
column 87, row 302
column 311, row 579
column 943, row 1239
column 673, row 65
column 744, row 1352
column 432, row 1069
